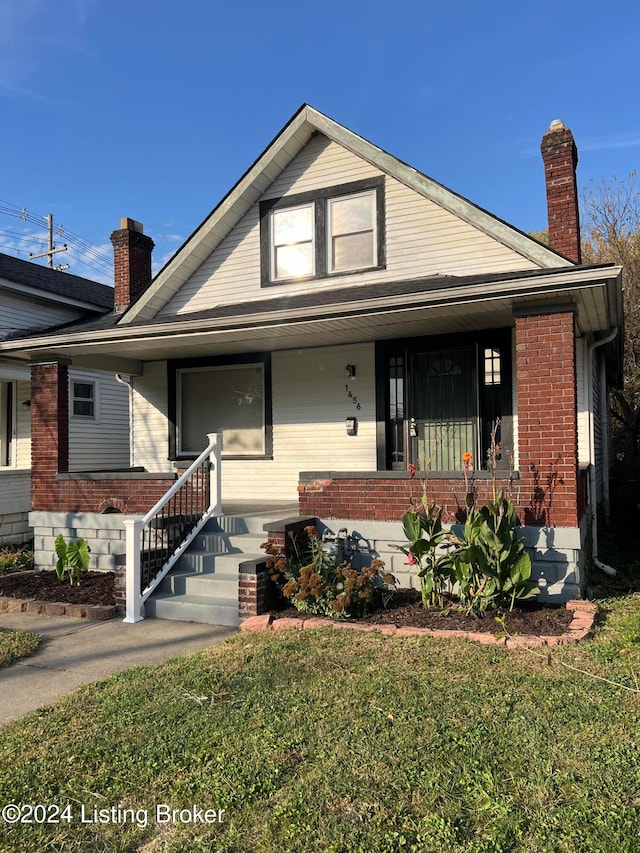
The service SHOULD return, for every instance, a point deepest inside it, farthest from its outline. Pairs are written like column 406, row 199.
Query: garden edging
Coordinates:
column 94, row 612
column 583, row 617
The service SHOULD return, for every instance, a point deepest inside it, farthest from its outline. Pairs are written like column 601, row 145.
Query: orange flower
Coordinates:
column 467, row 457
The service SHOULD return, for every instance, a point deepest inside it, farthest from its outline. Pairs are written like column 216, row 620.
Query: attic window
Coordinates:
column 292, row 242
column 327, row 232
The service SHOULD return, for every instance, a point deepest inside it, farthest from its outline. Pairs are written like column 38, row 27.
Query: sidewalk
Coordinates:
column 77, row 651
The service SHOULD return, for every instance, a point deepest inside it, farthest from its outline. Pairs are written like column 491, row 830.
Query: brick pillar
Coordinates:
column 547, row 419
column 49, row 429
column 131, row 263
column 560, row 157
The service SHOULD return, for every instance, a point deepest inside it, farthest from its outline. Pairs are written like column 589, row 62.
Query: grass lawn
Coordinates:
column 15, row 645
column 334, row 741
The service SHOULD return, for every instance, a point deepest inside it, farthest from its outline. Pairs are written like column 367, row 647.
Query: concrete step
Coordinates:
column 193, row 608
column 212, row 584
column 213, row 542
column 203, row 585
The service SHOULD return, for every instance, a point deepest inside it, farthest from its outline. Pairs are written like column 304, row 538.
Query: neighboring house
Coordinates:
column 33, row 297
column 339, row 317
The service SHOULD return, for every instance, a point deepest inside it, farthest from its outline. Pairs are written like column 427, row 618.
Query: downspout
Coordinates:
column 128, row 382
column 608, row 570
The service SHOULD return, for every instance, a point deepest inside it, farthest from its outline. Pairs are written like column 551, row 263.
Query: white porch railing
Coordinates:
column 154, row 543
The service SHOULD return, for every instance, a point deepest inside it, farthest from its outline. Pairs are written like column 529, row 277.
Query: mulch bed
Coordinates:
column 95, row 587
column 405, row 610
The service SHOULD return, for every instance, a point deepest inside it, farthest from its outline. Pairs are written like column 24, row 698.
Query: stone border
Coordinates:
column 584, row 613
column 93, row 612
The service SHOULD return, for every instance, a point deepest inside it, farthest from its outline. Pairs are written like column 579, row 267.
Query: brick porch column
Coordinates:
column 49, row 431
column 547, row 418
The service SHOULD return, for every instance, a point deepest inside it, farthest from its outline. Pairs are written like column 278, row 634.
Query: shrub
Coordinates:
column 313, row 582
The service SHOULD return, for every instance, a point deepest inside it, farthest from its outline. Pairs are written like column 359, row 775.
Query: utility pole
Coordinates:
column 52, row 249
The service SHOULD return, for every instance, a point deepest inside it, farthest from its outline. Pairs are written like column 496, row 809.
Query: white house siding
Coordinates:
column 15, row 503
column 102, row 442
column 26, row 312
column 310, row 405
column 422, row 239
column 23, row 425
column 149, row 428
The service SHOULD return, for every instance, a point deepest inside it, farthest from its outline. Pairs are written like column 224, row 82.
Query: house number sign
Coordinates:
column 354, row 399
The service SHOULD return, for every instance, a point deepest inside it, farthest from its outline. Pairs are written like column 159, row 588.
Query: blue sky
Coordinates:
column 153, row 109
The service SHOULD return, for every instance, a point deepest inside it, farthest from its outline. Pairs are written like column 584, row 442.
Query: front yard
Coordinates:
column 333, row 741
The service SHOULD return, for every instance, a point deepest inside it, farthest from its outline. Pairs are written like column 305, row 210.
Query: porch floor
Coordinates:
column 256, row 507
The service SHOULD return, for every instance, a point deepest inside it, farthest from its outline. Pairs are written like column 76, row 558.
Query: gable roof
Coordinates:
column 63, row 286
column 273, row 160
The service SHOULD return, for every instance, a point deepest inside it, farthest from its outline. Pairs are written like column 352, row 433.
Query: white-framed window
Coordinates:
column 227, row 398
column 84, row 399
column 7, row 423
column 292, row 242
column 325, row 232
column 351, row 232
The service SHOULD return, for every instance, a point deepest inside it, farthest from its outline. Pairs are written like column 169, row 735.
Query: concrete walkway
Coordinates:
column 77, row 651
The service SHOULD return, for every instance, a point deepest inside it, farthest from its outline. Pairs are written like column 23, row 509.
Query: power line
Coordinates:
column 92, row 257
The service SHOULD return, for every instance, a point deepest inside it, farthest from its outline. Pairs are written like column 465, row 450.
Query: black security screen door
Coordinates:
column 442, row 410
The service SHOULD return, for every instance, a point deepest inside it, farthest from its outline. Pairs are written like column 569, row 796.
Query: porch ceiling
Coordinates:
column 445, row 309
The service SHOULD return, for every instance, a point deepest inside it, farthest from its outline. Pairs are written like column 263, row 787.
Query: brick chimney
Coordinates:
column 560, row 157
column 131, row 263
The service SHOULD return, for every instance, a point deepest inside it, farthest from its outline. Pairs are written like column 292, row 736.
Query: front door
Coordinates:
column 442, row 408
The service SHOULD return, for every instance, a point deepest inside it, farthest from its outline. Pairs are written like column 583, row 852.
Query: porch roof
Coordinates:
column 402, row 309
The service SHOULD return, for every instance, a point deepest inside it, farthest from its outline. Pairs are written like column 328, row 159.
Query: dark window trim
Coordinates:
column 175, row 365
column 498, row 338
column 320, row 219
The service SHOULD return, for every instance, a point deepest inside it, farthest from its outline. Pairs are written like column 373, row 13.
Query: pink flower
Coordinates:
column 412, row 560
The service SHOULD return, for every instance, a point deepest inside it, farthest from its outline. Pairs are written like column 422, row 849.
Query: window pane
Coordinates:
column 294, row 261
column 353, row 251
column 84, row 408
column 228, row 400
column 293, row 225
column 354, row 213
column 491, row 367
column 83, row 389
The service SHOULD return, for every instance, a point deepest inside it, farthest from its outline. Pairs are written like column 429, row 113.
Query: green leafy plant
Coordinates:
column 73, row 558
column 314, row 582
column 425, row 535
column 491, row 564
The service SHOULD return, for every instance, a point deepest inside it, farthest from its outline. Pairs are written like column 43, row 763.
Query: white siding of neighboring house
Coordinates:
column 310, row 405
column 102, row 442
column 422, row 239
column 583, row 403
column 149, row 420
column 20, row 311
column 598, row 426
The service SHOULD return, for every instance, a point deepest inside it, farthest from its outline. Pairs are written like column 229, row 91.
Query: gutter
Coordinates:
column 608, row 570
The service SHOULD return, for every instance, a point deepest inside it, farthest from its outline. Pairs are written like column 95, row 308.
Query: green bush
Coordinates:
column 313, row 582
column 492, row 566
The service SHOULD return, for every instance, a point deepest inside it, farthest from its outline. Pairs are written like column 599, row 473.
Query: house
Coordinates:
column 33, row 297
column 338, row 317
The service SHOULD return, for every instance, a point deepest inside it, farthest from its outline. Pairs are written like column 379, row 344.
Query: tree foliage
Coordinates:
column 611, row 232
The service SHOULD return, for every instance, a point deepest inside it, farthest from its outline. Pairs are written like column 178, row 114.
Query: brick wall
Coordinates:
column 547, row 419
column 381, row 499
